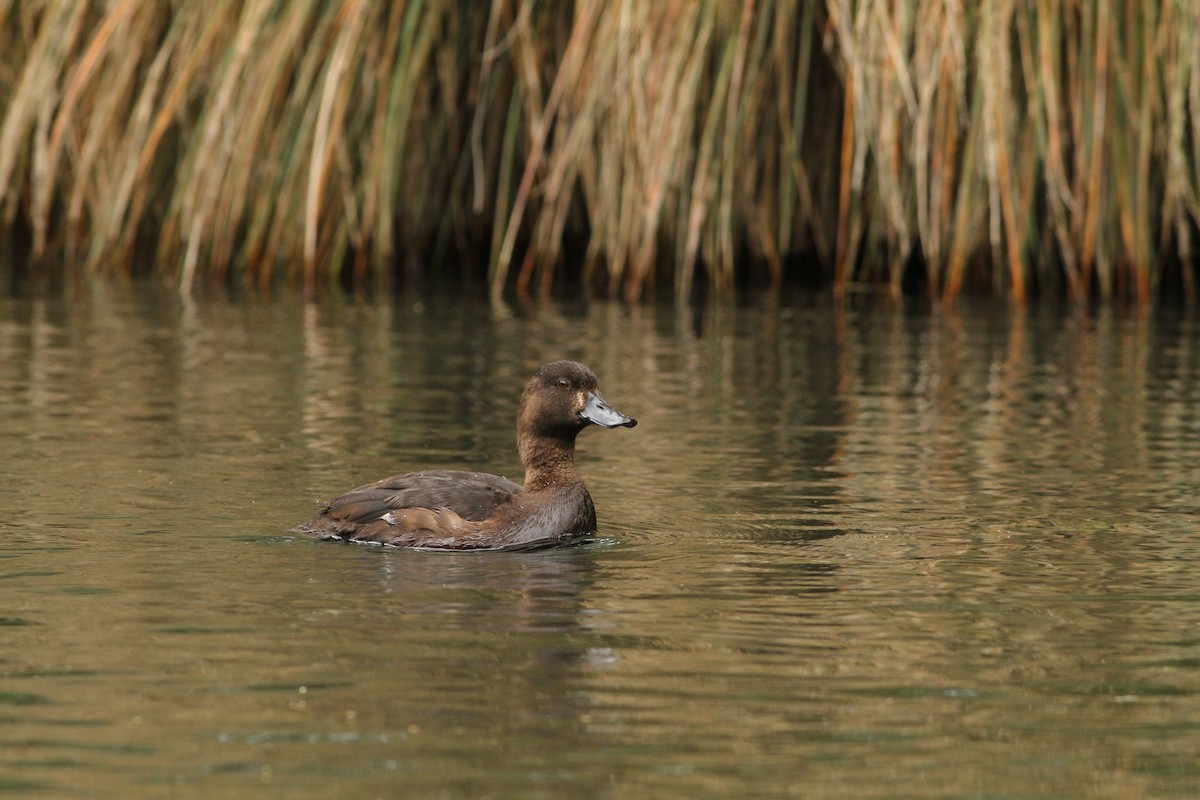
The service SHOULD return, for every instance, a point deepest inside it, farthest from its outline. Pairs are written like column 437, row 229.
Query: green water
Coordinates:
column 849, row 552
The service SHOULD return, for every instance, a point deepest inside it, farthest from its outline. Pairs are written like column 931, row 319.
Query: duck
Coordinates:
column 461, row 510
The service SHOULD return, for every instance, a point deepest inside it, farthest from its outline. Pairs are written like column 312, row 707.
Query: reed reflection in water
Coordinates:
column 850, row 550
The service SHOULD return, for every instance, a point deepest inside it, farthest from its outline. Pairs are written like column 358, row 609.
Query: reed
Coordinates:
column 1021, row 146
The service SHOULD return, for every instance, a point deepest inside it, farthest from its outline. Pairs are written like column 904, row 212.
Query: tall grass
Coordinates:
column 1022, row 146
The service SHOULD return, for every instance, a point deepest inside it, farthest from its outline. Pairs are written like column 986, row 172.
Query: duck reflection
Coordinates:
column 494, row 591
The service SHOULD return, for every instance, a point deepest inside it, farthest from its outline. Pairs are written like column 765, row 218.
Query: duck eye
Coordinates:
column 563, row 383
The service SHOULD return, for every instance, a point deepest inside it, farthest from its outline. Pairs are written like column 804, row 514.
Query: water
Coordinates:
column 849, row 552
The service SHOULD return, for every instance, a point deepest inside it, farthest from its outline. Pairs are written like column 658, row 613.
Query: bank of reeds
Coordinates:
column 1042, row 145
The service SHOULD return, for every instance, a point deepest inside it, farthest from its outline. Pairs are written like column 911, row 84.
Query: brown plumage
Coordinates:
column 458, row 510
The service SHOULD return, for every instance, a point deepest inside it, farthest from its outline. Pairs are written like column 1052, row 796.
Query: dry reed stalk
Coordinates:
column 1094, row 143
column 31, row 99
column 796, row 31
column 1183, row 204
column 541, row 120
column 258, row 137
column 700, row 191
column 1049, row 30
column 996, row 68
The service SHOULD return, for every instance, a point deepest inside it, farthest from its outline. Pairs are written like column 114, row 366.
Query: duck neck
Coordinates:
column 549, row 461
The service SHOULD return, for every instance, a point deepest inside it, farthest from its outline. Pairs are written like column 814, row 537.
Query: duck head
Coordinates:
column 563, row 398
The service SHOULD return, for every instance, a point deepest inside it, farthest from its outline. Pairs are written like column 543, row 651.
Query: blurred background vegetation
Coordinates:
column 633, row 147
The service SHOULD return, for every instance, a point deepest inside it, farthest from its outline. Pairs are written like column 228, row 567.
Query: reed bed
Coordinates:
column 1042, row 146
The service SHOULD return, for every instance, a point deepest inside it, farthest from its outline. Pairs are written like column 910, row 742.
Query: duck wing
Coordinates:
column 472, row 496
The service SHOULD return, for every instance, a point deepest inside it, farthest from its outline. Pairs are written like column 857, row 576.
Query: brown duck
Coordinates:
column 456, row 510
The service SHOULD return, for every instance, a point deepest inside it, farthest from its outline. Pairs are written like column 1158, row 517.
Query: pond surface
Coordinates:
column 850, row 551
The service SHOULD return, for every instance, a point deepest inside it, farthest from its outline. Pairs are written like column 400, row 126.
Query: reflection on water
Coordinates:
column 849, row 551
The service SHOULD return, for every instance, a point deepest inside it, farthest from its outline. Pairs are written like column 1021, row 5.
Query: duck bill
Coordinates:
column 599, row 412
